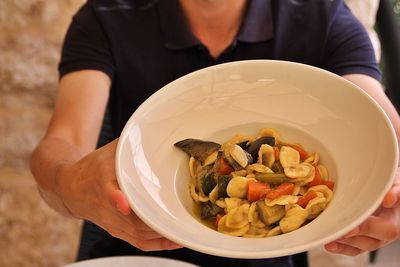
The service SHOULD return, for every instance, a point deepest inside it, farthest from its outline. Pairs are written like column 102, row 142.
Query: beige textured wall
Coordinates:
column 31, row 33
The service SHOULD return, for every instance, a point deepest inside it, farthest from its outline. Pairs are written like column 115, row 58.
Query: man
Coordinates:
column 118, row 53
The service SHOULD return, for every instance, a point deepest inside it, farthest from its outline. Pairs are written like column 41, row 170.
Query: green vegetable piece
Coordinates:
column 272, row 178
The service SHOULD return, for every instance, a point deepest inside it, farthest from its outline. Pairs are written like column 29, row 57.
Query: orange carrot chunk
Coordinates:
column 257, row 190
column 281, row 190
column 303, row 201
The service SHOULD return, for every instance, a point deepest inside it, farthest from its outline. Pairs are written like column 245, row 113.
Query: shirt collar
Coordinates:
column 257, row 25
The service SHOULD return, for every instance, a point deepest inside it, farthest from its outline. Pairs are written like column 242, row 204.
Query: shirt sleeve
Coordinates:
column 349, row 49
column 85, row 45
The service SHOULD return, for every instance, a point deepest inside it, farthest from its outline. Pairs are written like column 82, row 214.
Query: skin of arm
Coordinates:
column 383, row 227
column 79, row 181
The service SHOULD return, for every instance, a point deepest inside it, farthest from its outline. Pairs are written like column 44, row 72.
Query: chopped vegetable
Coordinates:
column 208, row 183
column 272, row 178
column 303, row 201
column 223, row 167
column 330, row 184
column 281, row 190
column 209, row 210
column 254, row 146
column 318, row 180
column 257, row 190
column 222, row 184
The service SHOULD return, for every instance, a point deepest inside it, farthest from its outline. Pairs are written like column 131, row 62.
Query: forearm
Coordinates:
column 373, row 88
column 48, row 158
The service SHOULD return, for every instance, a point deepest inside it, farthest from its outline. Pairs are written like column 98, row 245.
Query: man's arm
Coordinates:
column 79, row 181
column 73, row 130
column 373, row 88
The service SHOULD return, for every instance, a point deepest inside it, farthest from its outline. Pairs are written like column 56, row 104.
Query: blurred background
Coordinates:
column 31, row 34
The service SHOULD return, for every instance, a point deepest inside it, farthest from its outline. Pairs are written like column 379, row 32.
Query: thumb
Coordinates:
column 120, row 202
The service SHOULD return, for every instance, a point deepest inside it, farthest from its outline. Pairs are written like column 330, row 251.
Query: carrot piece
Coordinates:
column 281, row 190
column 223, row 167
column 303, row 201
column 257, row 190
column 317, row 178
column 330, row 184
column 302, row 152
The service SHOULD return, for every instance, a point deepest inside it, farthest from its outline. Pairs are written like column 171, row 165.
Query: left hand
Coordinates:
column 380, row 229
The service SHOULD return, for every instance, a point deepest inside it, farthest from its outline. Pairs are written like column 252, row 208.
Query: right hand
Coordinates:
column 90, row 191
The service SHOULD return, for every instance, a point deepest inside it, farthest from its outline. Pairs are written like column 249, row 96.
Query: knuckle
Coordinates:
column 392, row 232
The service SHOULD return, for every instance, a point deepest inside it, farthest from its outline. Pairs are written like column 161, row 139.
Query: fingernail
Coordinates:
column 332, row 247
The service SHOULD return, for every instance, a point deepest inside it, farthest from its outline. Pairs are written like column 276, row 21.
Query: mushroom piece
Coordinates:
column 288, row 156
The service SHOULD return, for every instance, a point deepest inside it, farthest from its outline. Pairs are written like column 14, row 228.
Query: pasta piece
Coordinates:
column 233, row 202
column 254, row 218
column 256, row 232
column 282, row 200
column 237, row 187
column 238, row 217
column 231, row 231
column 316, row 205
column 274, row 231
column 324, row 190
column 293, row 219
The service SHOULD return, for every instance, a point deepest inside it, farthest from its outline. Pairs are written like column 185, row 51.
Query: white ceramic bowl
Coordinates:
column 307, row 105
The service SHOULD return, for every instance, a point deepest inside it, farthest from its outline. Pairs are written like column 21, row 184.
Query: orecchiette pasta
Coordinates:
column 257, row 186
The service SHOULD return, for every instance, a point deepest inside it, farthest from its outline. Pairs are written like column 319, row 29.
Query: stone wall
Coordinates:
column 31, row 33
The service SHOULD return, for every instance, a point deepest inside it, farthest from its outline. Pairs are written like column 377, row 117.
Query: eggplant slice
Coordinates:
column 197, row 148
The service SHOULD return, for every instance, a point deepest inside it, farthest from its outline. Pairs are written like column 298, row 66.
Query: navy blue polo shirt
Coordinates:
column 145, row 44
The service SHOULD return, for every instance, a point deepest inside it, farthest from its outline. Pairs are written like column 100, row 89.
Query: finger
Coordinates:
column 339, row 248
column 375, row 227
column 363, row 243
column 156, row 244
column 120, row 202
column 392, row 198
